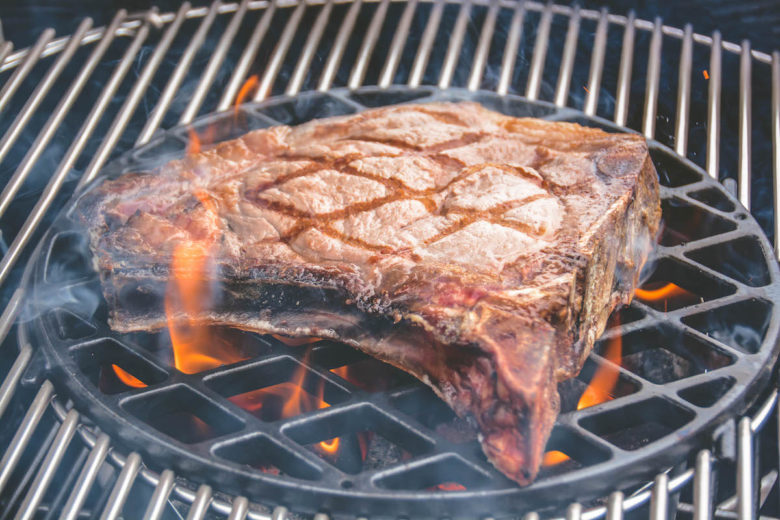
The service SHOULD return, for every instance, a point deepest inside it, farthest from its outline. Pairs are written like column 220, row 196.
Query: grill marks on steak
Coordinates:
column 481, row 253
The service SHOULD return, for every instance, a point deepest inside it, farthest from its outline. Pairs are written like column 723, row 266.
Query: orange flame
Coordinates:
column 249, row 85
column 128, row 378
column 193, row 146
column 667, row 291
column 606, row 377
column 447, row 486
column 554, row 457
column 330, row 447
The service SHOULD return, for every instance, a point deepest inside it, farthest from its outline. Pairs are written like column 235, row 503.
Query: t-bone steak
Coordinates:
column 479, row 252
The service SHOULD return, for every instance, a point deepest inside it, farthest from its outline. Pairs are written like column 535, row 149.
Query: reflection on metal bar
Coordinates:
column 201, row 503
column 615, row 506
column 215, row 62
column 47, row 133
column 745, row 470
column 702, row 496
column 775, row 78
column 179, row 73
column 745, row 125
column 367, row 48
column 124, row 482
column 280, row 52
column 239, row 509
column 49, row 466
column 713, row 108
column 86, row 478
column 426, row 44
column 42, row 89
column 25, row 431
column 684, row 93
column 510, row 49
column 337, row 51
column 455, row 45
column 309, row 49
column 11, row 380
column 540, row 53
column 653, row 79
column 131, row 103
column 156, row 507
column 10, row 88
column 5, row 50
column 247, row 58
column 624, row 73
column 567, row 61
column 279, row 513
column 397, row 46
column 483, row 47
column 596, row 65
column 10, row 313
column 659, row 501
column 574, row 511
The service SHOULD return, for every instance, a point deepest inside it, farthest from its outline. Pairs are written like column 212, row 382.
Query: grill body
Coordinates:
column 155, row 70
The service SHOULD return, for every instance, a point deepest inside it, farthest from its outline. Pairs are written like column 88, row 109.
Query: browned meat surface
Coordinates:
column 480, row 252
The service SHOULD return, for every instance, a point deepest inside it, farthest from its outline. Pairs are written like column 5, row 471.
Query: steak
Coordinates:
column 479, row 252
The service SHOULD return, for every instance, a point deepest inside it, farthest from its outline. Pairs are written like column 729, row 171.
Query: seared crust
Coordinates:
column 481, row 253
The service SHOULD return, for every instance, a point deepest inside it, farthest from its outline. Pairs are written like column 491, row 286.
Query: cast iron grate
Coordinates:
column 687, row 363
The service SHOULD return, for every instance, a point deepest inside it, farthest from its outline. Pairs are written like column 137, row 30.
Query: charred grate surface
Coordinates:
column 687, row 363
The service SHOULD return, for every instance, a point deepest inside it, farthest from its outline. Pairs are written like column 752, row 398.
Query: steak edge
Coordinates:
column 480, row 252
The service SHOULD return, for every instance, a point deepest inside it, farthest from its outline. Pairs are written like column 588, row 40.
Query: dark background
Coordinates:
column 757, row 20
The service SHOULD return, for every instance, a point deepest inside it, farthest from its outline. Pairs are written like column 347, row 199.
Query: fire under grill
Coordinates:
column 97, row 424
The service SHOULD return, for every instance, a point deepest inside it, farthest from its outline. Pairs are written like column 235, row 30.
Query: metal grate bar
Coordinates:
column 215, row 62
column 624, row 73
column 574, row 511
column 157, row 115
column 659, row 501
column 157, row 503
column 746, row 506
column 397, row 46
column 131, row 103
column 567, row 61
column 309, row 50
column 745, row 124
column 426, row 44
column 455, row 45
column 596, row 65
column 247, row 58
column 684, row 93
column 483, row 47
column 86, row 478
column 510, row 49
column 201, row 503
column 11, row 380
column 33, row 55
column 49, row 467
column 653, row 79
column 615, row 506
column 540, row 53
column 339, row 46
column 367, row 48
column 702, row 488
column 10, row 313
column 42, row 89
column 52, row 125
column 121, row 489
column 713, row 108
column 280, row 52
column 24, row 433
column 776, row 146
column 239, row 509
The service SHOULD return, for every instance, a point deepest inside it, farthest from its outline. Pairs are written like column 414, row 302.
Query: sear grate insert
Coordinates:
column 691, row 350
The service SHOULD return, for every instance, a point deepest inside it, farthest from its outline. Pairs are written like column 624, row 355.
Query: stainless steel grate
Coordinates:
column 153, row 70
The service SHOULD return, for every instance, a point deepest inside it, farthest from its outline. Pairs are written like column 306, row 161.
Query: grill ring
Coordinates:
column 685, row 185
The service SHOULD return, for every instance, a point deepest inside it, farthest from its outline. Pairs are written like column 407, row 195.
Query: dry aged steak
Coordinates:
column 481, row 253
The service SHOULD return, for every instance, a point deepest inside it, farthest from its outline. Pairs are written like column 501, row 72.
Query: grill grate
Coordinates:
column 284, row 41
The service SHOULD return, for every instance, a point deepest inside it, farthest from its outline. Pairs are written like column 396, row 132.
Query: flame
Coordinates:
column 705, row 74
column 447, row 486
column 128, row 378
column 667, row 291
column 330, row 447
column 249, row 85
column 554, row 457
column 193, row 146
column 606, row 377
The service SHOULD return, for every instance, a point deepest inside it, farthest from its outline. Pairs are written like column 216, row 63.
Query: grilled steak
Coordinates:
column 481, row 253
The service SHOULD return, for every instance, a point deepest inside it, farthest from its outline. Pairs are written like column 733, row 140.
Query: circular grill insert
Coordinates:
column 688, row 362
